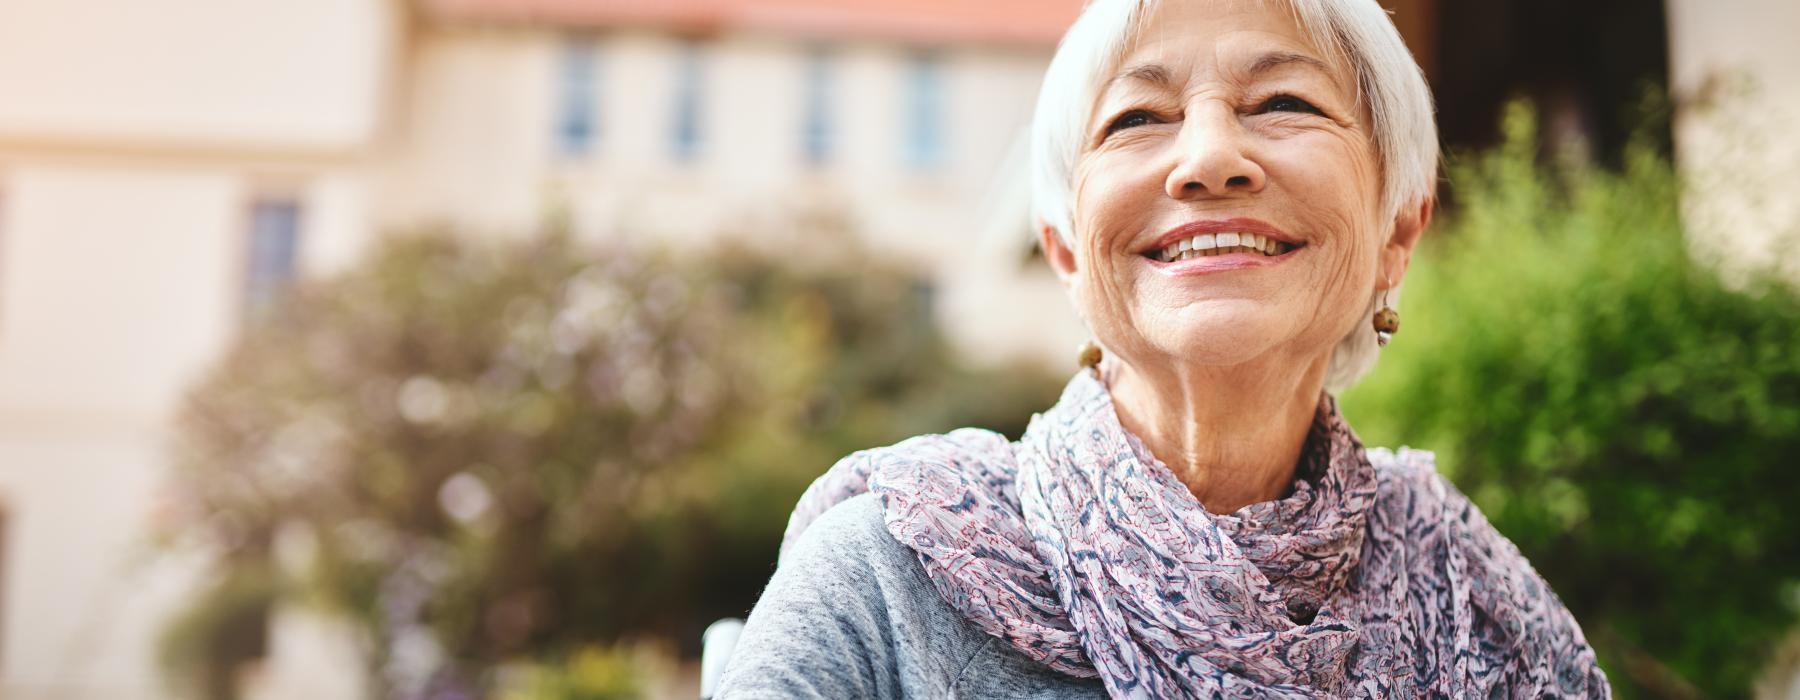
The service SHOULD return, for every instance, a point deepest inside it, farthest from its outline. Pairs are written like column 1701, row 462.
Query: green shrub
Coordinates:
column 516, row 449
column 590, row 673
column 1628, row 419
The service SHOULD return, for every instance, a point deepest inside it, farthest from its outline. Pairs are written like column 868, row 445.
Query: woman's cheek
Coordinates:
column 1101, row 216
column 1105, row 202
column 1340, row 193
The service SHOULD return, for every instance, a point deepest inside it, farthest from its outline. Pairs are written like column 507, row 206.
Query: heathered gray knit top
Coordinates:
column 851, row 614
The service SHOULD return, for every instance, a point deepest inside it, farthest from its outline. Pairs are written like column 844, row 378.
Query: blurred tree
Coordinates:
column 1629, row 419
column 488, row 452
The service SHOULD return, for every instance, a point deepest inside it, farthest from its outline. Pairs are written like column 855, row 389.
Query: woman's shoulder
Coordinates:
column 965, row 456
column 851, row 612
column 1451, row 546
column 1418, row 503
column 1437, row 524
column 1413, row 494
column 1403, row 466
column 851, row 534
column 834, row 619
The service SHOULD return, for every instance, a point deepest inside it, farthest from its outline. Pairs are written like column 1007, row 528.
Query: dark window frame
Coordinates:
column 926, row 144
column 687, row 132
column 273, row 231
column 818, row 128
column 578, row 83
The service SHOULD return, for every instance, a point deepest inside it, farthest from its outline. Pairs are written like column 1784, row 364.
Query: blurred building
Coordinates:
column 164, row 168
column 168, row 168
column 1736, row 77
column 686, row 121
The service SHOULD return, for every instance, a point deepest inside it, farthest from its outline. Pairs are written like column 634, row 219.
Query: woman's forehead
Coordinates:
column 1276, row 16
column 1235, row 40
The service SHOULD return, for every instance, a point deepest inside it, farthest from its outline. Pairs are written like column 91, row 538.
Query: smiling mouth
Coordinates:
column 1213, row 244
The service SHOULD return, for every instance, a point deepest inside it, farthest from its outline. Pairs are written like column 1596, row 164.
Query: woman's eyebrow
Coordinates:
column 1152, row 73
column 1158, row 76
column 1276, row 59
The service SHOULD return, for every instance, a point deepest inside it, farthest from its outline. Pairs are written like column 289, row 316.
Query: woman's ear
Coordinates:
column 1061, row 258
column 1396, row 253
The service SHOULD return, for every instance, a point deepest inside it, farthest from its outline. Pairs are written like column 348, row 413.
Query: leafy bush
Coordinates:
column 1629, row 419
column 492, row 452
column 591, row 673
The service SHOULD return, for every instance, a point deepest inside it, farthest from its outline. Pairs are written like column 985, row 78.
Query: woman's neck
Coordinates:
column 1233, row 435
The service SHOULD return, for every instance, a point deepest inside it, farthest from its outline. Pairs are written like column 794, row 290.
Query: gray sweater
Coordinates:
column 851, row 614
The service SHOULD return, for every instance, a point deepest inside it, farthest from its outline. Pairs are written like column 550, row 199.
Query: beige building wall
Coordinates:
column 120, row 281
column 471, row 133
column 476, row 146
column 214, row 72
column 1735, row 69
column 133, row 139
column 97, row 330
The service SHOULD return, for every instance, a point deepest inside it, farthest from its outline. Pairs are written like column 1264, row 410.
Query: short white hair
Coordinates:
column 1389, row 83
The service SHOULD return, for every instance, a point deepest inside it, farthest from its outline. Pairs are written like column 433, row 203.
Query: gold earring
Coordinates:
column 1088, row 356
column 1387, row 321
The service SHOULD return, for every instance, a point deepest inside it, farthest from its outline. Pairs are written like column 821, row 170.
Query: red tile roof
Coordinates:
column 1013, row 22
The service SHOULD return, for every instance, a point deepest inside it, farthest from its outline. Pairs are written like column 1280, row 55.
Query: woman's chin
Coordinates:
column 1216, row 338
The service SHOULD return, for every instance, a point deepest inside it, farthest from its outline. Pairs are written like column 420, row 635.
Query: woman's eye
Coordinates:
column 1136, row 117
column 1289, row 103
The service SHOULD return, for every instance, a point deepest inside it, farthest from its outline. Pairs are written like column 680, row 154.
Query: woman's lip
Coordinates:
column 1206, row 264
column 1205, row 226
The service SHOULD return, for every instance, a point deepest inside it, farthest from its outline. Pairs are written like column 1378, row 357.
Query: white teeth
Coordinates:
column 1207, row 245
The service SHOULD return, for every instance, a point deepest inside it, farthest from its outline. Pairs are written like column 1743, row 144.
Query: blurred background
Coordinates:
column 479, row 348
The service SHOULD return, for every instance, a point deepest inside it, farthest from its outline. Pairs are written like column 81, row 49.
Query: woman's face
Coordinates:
column 1223, row 119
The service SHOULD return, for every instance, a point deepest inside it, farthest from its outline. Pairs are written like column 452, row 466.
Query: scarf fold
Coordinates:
column 1080, row 549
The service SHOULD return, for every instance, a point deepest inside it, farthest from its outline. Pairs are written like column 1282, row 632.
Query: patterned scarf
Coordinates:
column 1080, row 549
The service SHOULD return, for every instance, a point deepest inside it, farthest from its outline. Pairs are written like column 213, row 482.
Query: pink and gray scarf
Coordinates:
column 1373, row 578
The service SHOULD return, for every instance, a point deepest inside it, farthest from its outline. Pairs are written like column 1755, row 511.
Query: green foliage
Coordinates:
column 206, row 643
column 515, row 450
column 589, row 674
column 1626, row 417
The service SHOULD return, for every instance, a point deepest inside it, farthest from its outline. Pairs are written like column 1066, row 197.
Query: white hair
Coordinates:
column 1389, row 83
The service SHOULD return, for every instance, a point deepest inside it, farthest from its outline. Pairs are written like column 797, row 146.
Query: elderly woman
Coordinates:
column 1231, row 191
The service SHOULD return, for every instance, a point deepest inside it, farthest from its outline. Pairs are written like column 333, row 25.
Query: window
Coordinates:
column 924, row 113
column 816, row 131
column 687, row 139
column 273, row 252
column 577, row 93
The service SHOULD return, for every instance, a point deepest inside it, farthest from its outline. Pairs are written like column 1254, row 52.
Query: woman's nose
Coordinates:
column 1210, row 159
